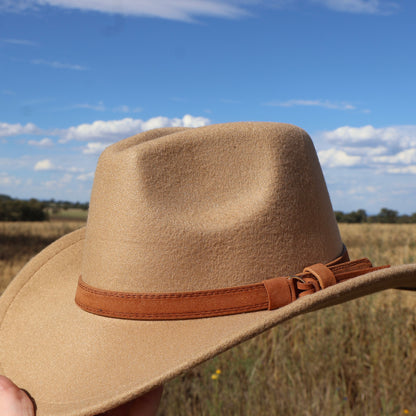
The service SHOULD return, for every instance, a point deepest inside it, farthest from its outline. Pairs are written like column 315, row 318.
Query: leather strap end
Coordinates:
column 358, row 272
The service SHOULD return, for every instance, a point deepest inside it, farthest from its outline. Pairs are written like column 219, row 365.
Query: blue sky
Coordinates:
column 79, row 75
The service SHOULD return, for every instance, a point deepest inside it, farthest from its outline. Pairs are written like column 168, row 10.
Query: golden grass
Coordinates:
column 70, row 214
column 20, row 241
column 382, row 243
column 358, row 358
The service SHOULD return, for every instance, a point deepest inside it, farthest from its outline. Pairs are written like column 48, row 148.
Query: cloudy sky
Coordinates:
column 76, row 76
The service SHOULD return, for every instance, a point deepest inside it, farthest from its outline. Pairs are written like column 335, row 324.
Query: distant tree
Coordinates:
column 386, row 216
column 406, row 219
column 362, row 215
column 339, row 216
column 352, row 217
column 20, row 210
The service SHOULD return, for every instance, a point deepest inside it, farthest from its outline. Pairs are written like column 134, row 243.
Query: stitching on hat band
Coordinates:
column 267, row 295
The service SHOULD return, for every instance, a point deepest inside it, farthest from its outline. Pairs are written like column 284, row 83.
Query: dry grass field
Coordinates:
column 358, row 358
column 20, row 241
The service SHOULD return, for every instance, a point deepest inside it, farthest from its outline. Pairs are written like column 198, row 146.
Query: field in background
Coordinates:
column 20, row 241
column 358, row 358
column 69, row 214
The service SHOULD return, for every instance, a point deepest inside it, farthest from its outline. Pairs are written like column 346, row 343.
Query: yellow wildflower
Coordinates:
column 406, row 411
column 218, row 371
column 214, row 376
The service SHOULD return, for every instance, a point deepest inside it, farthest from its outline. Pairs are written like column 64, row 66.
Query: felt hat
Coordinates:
column 196, row 240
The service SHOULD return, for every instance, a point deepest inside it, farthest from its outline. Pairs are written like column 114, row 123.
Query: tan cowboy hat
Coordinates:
column 196, row 240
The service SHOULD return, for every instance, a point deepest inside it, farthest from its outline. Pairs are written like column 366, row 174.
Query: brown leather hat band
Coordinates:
column 269, row 294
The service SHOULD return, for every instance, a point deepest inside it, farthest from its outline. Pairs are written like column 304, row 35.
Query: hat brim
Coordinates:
column 75, row 363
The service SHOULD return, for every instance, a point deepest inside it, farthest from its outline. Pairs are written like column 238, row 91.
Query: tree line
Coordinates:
column 14, row 209
column 385, row 216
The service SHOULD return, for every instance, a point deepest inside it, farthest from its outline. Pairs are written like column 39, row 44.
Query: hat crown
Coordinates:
column 225, row 205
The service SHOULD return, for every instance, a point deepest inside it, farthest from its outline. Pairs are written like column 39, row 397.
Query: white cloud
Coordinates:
column 58, row 65
column 94, row 148
column 361, row 190
column 86, row 176
column 186, row 121
column 112, row 130
column 360, row 6
column 104, row 130
column 405, row 157
column 45, row 142
column 101, row 131
column 337, row 158
column 44, row 164
column 312, row 103
column 372, row 151
column 184, row 10
column 402, row 170
column 390, row 150
column 7, row 129
column 188, row 10
column 397, row 136
column 48, row 165
column 365, row 151
column 352, row 134
column 8, row 180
